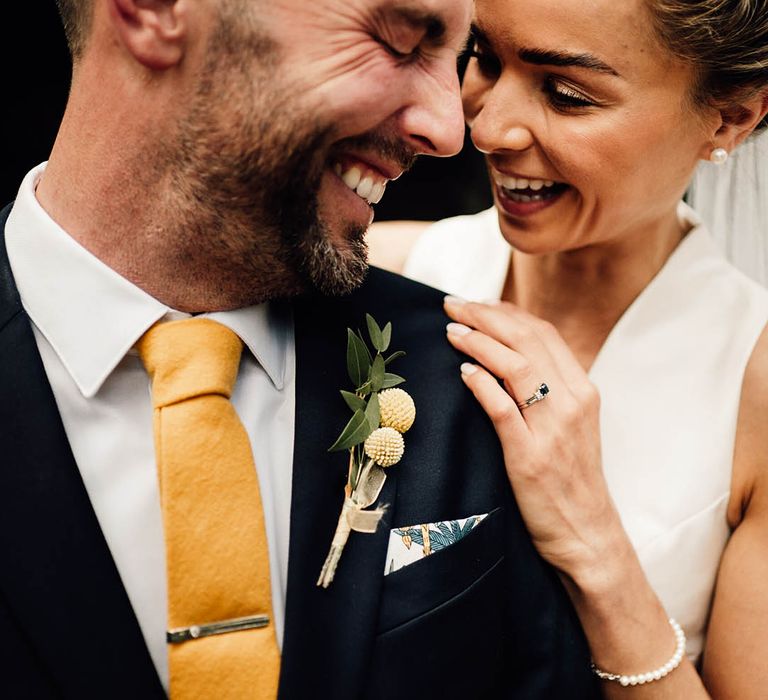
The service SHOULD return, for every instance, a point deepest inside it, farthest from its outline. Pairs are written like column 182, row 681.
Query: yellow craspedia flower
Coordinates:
column 397, row 409
column 385, row 446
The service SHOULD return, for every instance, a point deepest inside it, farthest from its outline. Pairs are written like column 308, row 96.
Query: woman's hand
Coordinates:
column 552, row 447
column 552, row 455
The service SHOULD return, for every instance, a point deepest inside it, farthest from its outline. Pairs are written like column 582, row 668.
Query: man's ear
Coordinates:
column 739, row 120
column 153, row 31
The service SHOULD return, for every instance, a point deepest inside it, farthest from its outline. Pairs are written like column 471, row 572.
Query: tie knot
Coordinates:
column 189, row 358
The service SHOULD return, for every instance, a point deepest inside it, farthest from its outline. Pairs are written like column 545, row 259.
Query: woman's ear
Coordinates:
column 739, row 120
column 152, row 31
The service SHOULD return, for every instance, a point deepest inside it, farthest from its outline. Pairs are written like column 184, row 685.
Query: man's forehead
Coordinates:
column 443, row 20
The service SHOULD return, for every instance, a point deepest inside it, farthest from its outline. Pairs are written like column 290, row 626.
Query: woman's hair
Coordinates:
column 76, row 17
column 726, row 40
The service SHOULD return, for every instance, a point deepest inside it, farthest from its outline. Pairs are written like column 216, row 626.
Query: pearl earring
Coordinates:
column 718, row 156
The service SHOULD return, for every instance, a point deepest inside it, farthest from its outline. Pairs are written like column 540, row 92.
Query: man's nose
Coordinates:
column 433, row 122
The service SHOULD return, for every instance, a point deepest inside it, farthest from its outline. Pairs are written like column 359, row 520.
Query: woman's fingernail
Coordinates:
column 468, row 369
column 456, row 301
column 457, row 329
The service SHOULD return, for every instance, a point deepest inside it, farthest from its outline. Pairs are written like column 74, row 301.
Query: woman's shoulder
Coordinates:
column 713, row 280
column 466, row 256
column 463, row 255
column 390, row 242
column 736, row 308
column 398, row 245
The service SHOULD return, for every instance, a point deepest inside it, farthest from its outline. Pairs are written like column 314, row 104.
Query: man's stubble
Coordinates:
column 245, row 171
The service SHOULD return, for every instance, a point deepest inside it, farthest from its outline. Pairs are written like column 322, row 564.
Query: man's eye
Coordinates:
column 564, row 97
column 400, row 53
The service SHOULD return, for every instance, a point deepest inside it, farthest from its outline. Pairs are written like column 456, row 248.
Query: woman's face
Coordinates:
column 580, row 93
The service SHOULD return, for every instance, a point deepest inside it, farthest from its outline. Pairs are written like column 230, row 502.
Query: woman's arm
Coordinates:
column 736, row 653
column 552, row 454
column 390, row 243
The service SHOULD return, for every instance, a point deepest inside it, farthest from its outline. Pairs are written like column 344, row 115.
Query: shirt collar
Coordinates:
column 92, row 316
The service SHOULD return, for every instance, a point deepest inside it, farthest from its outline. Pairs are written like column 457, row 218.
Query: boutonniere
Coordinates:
column 373, row 436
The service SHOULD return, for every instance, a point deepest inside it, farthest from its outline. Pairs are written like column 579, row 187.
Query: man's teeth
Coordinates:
column 368, row 185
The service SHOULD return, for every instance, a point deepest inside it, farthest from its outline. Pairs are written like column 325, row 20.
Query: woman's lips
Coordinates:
column 526, row 202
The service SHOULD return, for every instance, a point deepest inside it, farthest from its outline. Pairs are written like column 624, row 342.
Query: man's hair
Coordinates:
column 76, row 17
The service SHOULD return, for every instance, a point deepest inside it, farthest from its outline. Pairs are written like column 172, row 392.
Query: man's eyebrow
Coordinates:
column 433, row 24
column 543, row 57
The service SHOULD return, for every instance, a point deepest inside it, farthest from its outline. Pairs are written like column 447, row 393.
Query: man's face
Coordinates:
column 303, row 112
column 373, row 68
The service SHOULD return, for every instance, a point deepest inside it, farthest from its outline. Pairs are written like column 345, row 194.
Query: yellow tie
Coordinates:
column 221, row 638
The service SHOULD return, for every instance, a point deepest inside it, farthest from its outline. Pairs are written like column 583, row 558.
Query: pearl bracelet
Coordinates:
column 656, row 674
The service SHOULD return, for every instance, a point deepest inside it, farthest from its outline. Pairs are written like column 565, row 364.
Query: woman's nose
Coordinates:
column 497, row 117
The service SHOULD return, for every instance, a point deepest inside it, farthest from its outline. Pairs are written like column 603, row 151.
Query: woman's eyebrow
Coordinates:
column 544, row 57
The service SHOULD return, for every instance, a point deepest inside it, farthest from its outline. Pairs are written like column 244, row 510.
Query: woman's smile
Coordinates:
column 523, row 195
column 553, row 99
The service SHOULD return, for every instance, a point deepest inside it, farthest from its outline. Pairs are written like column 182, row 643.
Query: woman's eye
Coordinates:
column 564, row 97
column 486, row 61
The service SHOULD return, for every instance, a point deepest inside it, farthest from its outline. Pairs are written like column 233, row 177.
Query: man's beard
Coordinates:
column 249, row 180
column 330, row 268
column 333, row 269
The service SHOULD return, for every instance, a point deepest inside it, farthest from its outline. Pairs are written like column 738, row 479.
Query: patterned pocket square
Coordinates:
column 412, row 543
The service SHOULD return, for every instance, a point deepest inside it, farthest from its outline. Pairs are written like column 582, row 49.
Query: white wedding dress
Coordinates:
column 670, row 376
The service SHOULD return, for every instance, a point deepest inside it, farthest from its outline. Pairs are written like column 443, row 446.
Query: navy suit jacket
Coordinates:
column 483, row 618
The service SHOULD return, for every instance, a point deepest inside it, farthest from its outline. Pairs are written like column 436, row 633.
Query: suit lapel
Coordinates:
column 329, row 633
column 57, row 574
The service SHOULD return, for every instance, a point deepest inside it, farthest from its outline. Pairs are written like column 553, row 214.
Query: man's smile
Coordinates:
column 367, row 177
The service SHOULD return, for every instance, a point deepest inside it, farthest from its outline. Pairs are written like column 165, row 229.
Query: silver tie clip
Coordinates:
column 235, row 625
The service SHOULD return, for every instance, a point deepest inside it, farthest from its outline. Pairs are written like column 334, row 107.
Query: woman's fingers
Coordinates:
column 501, row 321
column 499, row 405
column 522, row 376
column 535, row 339
column 552, row 447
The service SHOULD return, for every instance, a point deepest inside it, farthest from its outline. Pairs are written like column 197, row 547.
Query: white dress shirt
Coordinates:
column 86, row 319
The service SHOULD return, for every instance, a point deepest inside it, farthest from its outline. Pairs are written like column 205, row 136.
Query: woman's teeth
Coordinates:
column 367, row 184
column 521, row 189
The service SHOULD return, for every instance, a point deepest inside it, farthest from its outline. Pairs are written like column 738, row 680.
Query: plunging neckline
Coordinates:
column 691, row 242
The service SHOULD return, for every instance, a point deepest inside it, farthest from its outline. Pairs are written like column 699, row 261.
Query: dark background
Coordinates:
column 36, row 82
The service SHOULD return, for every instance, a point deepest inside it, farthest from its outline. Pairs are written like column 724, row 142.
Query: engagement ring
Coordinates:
column 539, row 395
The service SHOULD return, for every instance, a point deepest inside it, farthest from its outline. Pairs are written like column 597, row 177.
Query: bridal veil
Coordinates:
column 732, row 199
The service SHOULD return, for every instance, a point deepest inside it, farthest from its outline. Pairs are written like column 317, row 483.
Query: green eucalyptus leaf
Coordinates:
column 364, row 390
column 365, row 345
column 377, row 374
column 353, row 401
column 355, row 432
column 386, row 337
column 358, row 362
column 373, row 412
column 377, row 339
column 391, row 380
column 394, row 356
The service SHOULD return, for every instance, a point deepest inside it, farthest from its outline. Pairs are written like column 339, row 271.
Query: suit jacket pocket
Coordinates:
column 426, row 584
column 443, row 623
